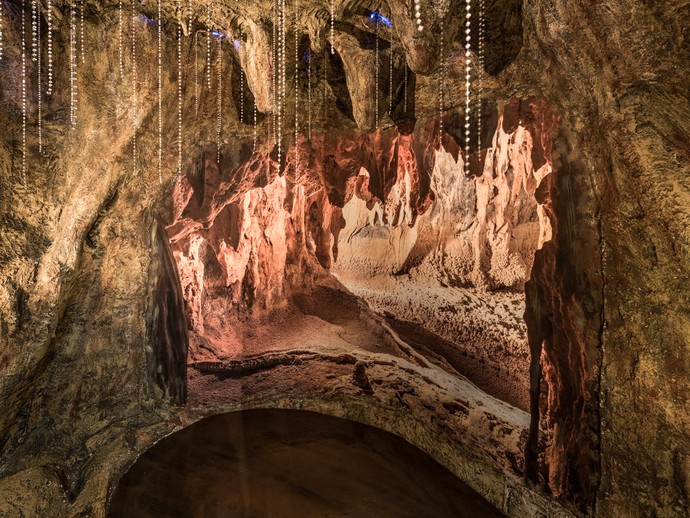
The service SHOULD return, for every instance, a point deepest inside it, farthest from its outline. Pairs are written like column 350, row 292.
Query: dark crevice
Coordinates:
column 167, row 323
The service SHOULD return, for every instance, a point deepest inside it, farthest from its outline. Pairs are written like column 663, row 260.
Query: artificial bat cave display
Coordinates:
column 344, row 258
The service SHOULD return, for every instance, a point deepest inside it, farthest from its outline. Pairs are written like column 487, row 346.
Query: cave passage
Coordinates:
column 290, row 463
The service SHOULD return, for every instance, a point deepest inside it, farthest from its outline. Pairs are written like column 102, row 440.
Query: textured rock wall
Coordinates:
column 606, row 304
column 617, row 318
column 479, row 231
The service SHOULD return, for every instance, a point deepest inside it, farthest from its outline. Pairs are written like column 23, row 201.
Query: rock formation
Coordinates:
column 358, row 271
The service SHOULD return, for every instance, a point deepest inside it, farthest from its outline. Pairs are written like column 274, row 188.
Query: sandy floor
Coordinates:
column 479, row 334
column 326, row 319
column 278, row 463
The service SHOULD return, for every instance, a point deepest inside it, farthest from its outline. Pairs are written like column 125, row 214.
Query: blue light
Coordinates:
column 237, row 44
column 146, row 19
column 219, row 35
column 382, row 19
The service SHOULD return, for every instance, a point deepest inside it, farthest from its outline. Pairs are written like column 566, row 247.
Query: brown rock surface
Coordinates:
column 588, row 146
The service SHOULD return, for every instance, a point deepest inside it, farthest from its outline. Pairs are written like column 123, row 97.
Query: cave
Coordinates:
column 344, row 258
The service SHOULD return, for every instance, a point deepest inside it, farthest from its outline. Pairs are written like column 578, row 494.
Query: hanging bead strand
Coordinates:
column 480, row 78
column 81, row 30
column 34, row 30
column 208, row 49
column 179, row 90
column 49, row 19
column 442, row 85
column 281, row 78
column 332, row 26
column 73, row 63
column 390, row 72
column 219, row 92
column 120, row 45
column 418, row 15
column 277, row 79
column 196, row 74
column 273, row 123
column 468, row 15
column 283, row 67
column 190, row 13
column 134, row 88
column 255, row 128
column 39, row 91
column 160, row 94
column 377, row 74
column 296, row 83
column 24, row 101
column 241, row 88
column 2, row 7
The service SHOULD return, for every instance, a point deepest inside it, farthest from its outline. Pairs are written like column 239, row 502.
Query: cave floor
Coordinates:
column 487, row 345
column 477, row 333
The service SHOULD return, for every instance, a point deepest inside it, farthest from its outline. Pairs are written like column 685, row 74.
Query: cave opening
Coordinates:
column 289, row 463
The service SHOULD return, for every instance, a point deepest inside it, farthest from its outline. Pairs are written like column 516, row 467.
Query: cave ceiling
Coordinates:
column 354, row 34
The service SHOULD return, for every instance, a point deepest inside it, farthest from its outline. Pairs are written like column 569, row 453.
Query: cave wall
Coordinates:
column 608, row 297
column 621, row 95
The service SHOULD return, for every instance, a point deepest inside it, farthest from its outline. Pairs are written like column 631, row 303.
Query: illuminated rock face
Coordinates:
column 369, row 208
